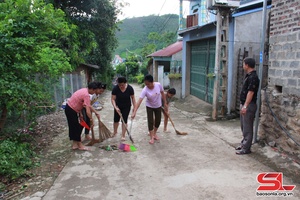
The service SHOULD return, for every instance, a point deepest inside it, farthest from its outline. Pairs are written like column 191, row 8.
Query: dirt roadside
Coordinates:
column 54, row 151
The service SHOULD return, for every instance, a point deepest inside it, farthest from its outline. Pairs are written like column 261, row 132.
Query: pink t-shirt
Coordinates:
column 79, row 99
column 153, row 96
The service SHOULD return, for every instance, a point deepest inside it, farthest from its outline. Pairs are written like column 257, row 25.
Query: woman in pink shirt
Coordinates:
column 154, row 93
column 79, row 100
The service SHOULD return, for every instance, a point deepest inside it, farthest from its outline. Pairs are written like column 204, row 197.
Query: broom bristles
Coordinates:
column 181, row 133
column 104, row 132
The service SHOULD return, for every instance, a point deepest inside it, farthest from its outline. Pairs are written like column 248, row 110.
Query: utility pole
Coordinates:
column 217, row 68
column 221, row 61
column 180, row 15
column 261, row 65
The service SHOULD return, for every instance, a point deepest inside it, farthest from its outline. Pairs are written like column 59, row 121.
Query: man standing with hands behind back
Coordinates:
column 248, row 105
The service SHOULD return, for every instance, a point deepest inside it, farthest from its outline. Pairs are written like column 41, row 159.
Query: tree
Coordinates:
column 30, row 35
column 121, row 69
column 129, row 68
column 158, row 41
column 97, row 23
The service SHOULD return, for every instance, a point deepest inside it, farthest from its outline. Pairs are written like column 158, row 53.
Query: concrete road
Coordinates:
column 201, row 165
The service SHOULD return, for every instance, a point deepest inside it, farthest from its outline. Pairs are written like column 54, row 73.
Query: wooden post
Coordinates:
column 217, row 67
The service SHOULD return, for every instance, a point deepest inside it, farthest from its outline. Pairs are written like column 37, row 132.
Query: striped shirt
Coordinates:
column 79, row 99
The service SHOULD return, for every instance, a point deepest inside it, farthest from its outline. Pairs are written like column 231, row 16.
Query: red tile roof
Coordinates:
column 168, row 51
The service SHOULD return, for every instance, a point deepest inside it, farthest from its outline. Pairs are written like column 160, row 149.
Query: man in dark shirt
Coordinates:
column 248, row 105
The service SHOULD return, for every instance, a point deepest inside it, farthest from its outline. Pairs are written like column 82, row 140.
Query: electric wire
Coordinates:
column 158, row 14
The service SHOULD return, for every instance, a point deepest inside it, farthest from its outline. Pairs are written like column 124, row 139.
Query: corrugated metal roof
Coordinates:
column 168, row 51
column 182, row 32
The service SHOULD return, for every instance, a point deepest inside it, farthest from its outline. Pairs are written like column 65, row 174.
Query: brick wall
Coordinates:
column 284, row 76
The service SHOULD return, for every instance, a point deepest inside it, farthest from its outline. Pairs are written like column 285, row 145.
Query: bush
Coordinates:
column 15, row 158
column 140, row 78
column 175, row 76
column 144, row 69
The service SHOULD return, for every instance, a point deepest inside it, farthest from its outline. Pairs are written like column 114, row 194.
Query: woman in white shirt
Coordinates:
column 154, row 93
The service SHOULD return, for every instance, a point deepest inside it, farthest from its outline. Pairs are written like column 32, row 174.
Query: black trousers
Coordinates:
column 124, row 111
column 75, row 128
column 154, row 117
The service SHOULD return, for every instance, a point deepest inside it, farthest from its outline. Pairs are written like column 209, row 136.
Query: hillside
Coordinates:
column 134, row 31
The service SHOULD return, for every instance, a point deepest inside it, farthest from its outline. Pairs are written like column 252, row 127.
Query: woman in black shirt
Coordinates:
column 122, row 97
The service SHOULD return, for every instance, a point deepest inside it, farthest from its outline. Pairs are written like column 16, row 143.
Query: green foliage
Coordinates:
column 121, row 69
column 95, row 37
column 210, row 75
column 148, row 49
column 130, row 68
column 30, row 35
column 134, row 32
column 144, row 69
column 15, row 158
column 175, row 76
column 140, row 78
column 39, row 41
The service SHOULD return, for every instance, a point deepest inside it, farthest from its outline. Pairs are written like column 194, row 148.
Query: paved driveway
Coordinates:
column 201, row 165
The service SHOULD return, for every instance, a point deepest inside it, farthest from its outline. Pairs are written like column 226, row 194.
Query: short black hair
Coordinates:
column 148, row 78
column 121, row 79
column 103, row 86
column 172, row 91
column 250, row 62
column 93, row 85
column 99, row 85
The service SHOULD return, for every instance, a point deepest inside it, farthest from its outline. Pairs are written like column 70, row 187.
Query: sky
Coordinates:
column 138, row 8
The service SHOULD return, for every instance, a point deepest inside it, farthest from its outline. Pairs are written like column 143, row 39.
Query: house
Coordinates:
column 165, row 61
column 280, row 118
column 280, row 111
column 116, row 61
column 241, row 38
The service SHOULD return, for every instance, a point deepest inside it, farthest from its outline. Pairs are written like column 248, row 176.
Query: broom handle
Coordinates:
column 171, row 121
column 93, row 135
column 169, row 117
column 126, row 128
column 131, row 125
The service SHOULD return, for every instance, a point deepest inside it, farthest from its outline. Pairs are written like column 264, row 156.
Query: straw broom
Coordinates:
column 177, row 132
column 104, row 133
